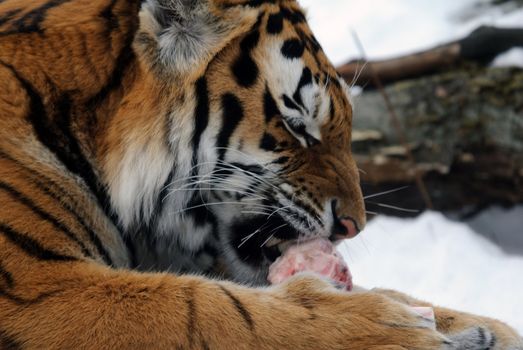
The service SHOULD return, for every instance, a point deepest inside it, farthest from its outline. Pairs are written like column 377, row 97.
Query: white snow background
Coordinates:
column 389, row 28
column 431, row 257
column 440, row 261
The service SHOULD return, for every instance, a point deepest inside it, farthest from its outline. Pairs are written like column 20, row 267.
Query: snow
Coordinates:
column 441, row 261
column 395, row 27
column 513, row 57
column 502, row 226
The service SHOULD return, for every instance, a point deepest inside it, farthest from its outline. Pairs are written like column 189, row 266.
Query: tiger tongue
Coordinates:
column 318, row 255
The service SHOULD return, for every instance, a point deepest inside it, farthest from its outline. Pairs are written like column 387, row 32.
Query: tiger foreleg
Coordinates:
column 88, row 306
column 496, row 334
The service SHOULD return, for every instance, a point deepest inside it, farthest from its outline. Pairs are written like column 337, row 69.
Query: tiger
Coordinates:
column 156, row 157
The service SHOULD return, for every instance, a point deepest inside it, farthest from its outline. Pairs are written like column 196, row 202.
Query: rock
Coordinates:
column 464, row 128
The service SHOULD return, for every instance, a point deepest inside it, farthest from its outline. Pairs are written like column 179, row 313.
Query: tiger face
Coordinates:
column 258, row 153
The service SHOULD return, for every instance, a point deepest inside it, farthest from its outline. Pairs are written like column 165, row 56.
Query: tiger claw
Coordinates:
column 477, row 338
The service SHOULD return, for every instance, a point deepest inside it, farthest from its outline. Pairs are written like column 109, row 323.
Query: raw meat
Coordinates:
column 318, row 255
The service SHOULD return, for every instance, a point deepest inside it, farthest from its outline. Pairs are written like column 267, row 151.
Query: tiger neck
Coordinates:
column 142, row 147
column 146, row 163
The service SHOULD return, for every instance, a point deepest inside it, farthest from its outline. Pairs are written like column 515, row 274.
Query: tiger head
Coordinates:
column 255, row 129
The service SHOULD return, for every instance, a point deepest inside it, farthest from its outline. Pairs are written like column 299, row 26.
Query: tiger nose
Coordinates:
column 343, row 227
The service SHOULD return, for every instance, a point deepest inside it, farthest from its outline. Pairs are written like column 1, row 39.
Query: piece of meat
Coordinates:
column 318, row 255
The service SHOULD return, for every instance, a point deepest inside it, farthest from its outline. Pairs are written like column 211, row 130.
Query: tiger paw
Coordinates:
column 492, row 335
column 337, row 319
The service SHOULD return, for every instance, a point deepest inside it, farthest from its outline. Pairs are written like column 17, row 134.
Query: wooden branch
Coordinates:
column 409, row 66
column 482, row 45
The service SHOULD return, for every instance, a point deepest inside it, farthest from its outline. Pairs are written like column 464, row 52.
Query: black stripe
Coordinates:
column 200, row 214
column 300, row 129
column 131, row 251
column 201, row 118
column 108, row 15
column 62, row 142
column 31, row 22
column 7, row 16
column 289, row 103
column 493, row 341
column 244, row 68
column 23, row 301
column 7, row 342
column 76, row 162
column 309, row 209
column 7, row 276
column 281, row 160
column 31, row 246
column 93, row 237
column 56, row 135
column 240, row 307
column 275, row 23
column 291, row 166
column 45, row 216
column 86, row 55
column 123, row 62
column 268, row 142
column 305, row 79
column 482, row 336
column 293, row 49
column 232, row 115
column 270, row 108
column 312, row 45
column 332, row 110
column 249, row 169
column 158, row 207
column 148, row 228
column 191, row 315
column 294, row 16
column 50, row 187
column 250, row 3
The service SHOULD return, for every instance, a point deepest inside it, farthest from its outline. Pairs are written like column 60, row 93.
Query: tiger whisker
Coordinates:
column 388, row 206
column 246, row 238
column 254, row 212
column 209, row 204
column 272, row 234
column 217, row 189
column 195, row 183
column 203, row 176
column 385, row 192
column 277, row 210
column 358, row 74
column 264, row 166
column 253, row 175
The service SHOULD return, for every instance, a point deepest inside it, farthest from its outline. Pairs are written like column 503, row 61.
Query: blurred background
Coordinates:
column 438, row 135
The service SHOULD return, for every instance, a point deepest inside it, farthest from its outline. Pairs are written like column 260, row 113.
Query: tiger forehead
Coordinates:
column 278, row 68
column 288, row 22
column 285, row 22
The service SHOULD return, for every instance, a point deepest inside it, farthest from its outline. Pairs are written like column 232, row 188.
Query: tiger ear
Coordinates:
column 181, row 36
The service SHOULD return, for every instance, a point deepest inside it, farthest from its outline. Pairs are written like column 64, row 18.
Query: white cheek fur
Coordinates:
column 283, row 76
column 143, row 171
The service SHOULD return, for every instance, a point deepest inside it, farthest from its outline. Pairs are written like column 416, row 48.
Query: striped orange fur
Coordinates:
column 106, row 105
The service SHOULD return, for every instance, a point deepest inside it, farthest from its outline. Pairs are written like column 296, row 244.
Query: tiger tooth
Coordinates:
column 284, row 245
column 274, row 242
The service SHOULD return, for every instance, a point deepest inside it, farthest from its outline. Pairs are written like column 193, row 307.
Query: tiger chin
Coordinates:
column 155, row 157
